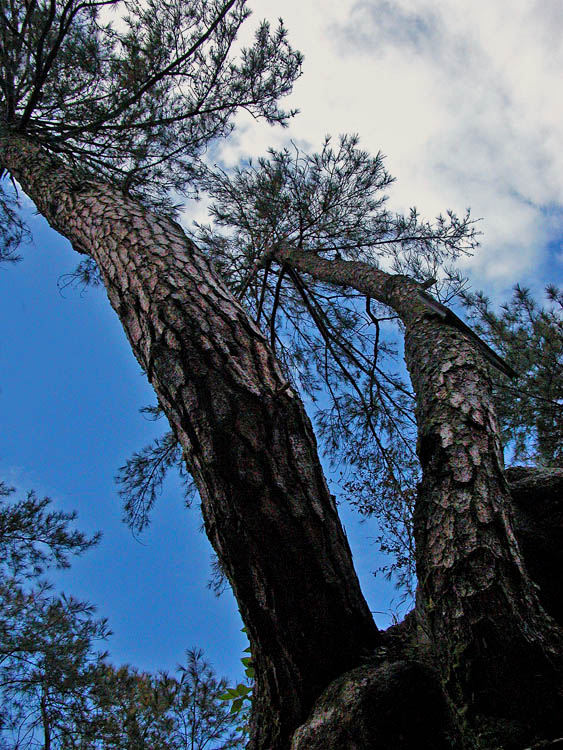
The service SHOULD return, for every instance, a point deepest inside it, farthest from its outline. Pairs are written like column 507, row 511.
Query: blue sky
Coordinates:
column 463, row 103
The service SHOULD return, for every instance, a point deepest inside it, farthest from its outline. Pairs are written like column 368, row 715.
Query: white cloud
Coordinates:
column 462, row 95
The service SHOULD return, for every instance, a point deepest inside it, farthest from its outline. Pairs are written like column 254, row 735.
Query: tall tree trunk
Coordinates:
column 499, row 653
column 45, row 721
column 247, row 439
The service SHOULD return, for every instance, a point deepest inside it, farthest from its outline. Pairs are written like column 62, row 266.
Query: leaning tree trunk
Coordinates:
column 247, row 439
column 500, row 654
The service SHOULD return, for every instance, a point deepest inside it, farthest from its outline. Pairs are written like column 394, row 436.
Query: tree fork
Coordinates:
column 251, row 448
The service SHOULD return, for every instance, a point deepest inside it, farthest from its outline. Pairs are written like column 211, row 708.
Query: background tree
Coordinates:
column 57, row 691
column 34, row 538
column 47, row 672
column 46, row 641
column 530, row 337
column 131, row 710
column 200, row 715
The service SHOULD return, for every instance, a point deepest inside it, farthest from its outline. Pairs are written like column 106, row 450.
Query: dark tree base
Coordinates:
column 395, row 701
column 393, row 705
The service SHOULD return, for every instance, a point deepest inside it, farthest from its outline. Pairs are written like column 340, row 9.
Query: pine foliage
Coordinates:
column 57, row 690
column 530, row 337
column 133, row 92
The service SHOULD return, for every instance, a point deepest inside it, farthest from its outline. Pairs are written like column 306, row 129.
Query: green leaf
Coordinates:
column 231, row 693
column 237, row 705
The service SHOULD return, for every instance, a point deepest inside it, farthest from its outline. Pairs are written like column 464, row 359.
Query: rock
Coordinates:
column 389, row 706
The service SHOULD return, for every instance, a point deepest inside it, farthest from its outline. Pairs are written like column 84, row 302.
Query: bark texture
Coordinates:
column 246, row 437
column 499, row 653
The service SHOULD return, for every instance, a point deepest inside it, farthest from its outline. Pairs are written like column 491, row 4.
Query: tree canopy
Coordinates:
column 47, row 654
column 133, row 92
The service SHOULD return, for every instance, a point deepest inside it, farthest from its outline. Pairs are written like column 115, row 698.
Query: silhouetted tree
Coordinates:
column 46, row 642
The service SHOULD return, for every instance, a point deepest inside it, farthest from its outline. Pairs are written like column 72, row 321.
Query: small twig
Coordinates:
column 262, row 262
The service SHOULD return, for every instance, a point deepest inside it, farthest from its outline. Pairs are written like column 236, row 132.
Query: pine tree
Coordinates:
column 59, row 692
column 98, row 127
column 530, row 337
column 47, row 652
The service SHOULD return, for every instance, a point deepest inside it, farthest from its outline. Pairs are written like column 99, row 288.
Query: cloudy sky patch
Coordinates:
column 374, row 26
column 464, row 99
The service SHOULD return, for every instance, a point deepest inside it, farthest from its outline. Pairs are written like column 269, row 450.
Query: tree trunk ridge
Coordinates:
column 248, row 442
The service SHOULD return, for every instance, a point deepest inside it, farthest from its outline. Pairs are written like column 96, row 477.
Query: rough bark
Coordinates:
column 246, row 437
column 499, row 653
